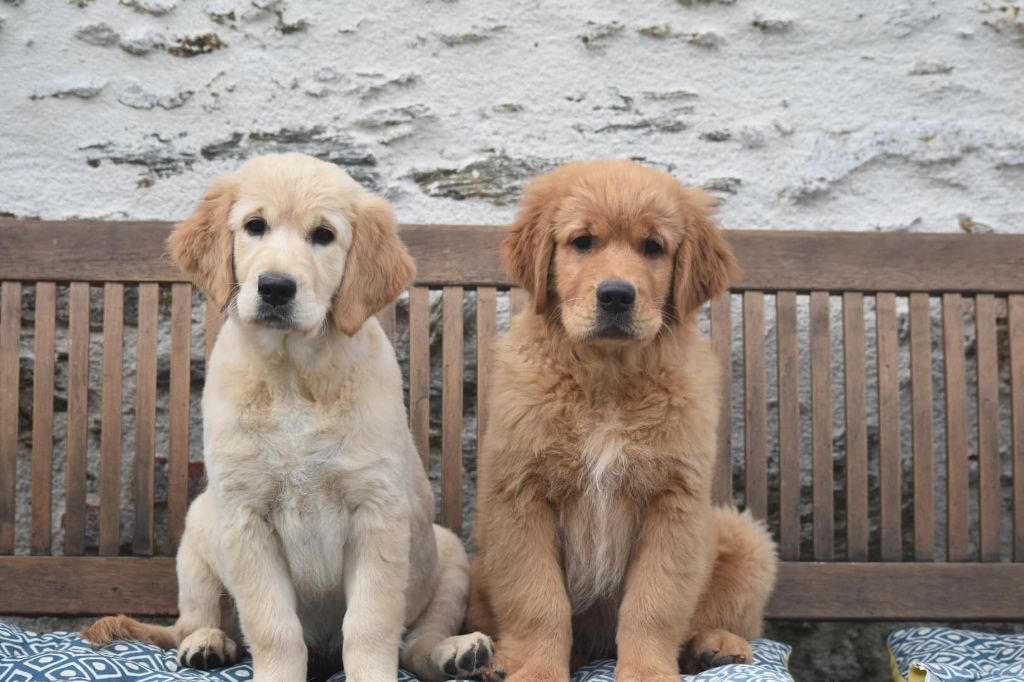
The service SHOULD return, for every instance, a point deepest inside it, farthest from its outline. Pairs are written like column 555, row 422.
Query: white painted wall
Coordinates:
column 901, row 114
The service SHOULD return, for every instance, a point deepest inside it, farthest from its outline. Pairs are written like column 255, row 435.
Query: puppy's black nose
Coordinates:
column 276, row 289
column 614, row 296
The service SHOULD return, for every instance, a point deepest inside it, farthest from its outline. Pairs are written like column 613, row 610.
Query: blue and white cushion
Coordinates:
column 26, row 657
column 933, row 654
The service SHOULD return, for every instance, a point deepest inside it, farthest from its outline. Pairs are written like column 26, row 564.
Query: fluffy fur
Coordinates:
column 317, row 516
column 595, row 532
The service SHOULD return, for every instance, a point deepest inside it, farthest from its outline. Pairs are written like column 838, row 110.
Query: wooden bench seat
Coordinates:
column 906, row 504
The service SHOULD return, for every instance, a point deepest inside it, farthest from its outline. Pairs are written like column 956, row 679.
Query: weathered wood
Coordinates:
column 889, row 468
column 42, row 417
column 921, row 398
column 957, row 481
column 988, row 426
column 78, row 416
column 419, row 371
column 721, row 344
column 856, row 416
column 467, row 255
column 145, row 419
column 486, row 312
column 898, row 591
column 10, row 339
column 451, row 409
column 110, row 436
column 821, row 428
column 789, row 425
column 181, row 370
column 805, row 590
column 755, row 426
column 1015, row 311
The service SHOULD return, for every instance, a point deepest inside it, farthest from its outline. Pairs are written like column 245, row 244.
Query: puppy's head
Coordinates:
column 294, row 243
column 616, row 251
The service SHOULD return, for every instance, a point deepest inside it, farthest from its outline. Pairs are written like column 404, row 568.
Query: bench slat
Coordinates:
column 181, row 370
column 889, row 469
column 518, row 301
column 110, row 437
column 821, row 427
column 10, row 340
column 754, row 403
column 467, row 255
column 1016, row 332
column 78, row 416
column 988, row 426
column 805, row 591
column 486, row 331
column 145, row 418
column 957, row 482
column 44, row 352
column 419, row 371
column 451, row 408
column 921, row 397
column 721, row 344
column 855, row 415
column 789, row 424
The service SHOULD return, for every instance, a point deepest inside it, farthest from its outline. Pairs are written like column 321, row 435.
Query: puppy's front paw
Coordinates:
column 713, row 648
column 207, row 648
column 464, row 655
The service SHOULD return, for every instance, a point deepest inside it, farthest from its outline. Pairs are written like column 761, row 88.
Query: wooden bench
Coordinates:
column 846, row 555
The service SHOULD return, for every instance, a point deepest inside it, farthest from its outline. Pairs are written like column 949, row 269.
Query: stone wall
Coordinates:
column 900, row 115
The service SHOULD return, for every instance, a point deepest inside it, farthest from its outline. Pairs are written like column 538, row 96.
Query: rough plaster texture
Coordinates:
column 900, row 115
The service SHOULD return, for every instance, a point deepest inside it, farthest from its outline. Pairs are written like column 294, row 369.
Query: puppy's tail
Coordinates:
column 111, row 628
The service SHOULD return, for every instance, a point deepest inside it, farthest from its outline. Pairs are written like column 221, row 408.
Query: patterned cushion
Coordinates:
column 26, row 656
column 947, row 655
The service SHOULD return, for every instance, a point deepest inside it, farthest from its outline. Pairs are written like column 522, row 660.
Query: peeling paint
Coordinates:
column 477, row 34
column 597, row 35
column 140, row 41
column 706, row 39
column 154, row 7
column 100, row 34
column 716, row 135
column 134, row 95
column 83, row 87
column 725, row 185
column 656, row 31
column 930, row 67
column 772, row 24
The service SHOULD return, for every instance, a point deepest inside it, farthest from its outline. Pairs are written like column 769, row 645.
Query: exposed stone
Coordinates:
column 752, row 138
column 669, row 122
column 725, row 185
column 656, row 31
column 83, row 87
column 158, row 155
column 706, row 39
column 598, row 35
column 716, row 135
column 670, row 94
column 155, row 7
column 507, row 108
column 477, row 34
column 498, row 178
column 387, row 118
column 772, row 25
column 193, row 45
column 929, row 67
column 142, row 41
column 368, row 84
column 134, row 95
column 100, row 34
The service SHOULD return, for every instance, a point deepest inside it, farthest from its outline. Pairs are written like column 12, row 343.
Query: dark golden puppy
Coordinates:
column 596, row 535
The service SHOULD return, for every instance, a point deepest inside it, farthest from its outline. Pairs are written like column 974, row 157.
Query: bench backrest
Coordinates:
column 874, row 413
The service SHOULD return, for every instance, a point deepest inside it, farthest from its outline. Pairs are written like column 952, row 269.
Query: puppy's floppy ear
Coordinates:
column 705, row 263
column 202, row 244
column 530, row 243
column 378, row 267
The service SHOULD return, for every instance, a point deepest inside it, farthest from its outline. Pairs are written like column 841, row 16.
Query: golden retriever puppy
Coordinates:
column 317, row 516
column 595, row 532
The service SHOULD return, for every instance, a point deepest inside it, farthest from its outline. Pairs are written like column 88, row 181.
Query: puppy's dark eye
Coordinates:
column 322, row 236
column 257, row 227
column 583, row 243
column 653, row 248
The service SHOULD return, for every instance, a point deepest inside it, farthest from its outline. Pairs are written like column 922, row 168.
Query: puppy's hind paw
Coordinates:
column 206, row 649
column 464, row 655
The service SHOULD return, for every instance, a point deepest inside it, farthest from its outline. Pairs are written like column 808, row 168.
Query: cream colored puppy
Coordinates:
column 317, row 516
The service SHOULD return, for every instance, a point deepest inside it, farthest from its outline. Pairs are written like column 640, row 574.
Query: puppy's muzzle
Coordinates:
column 616, row 297
column 277, row 292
